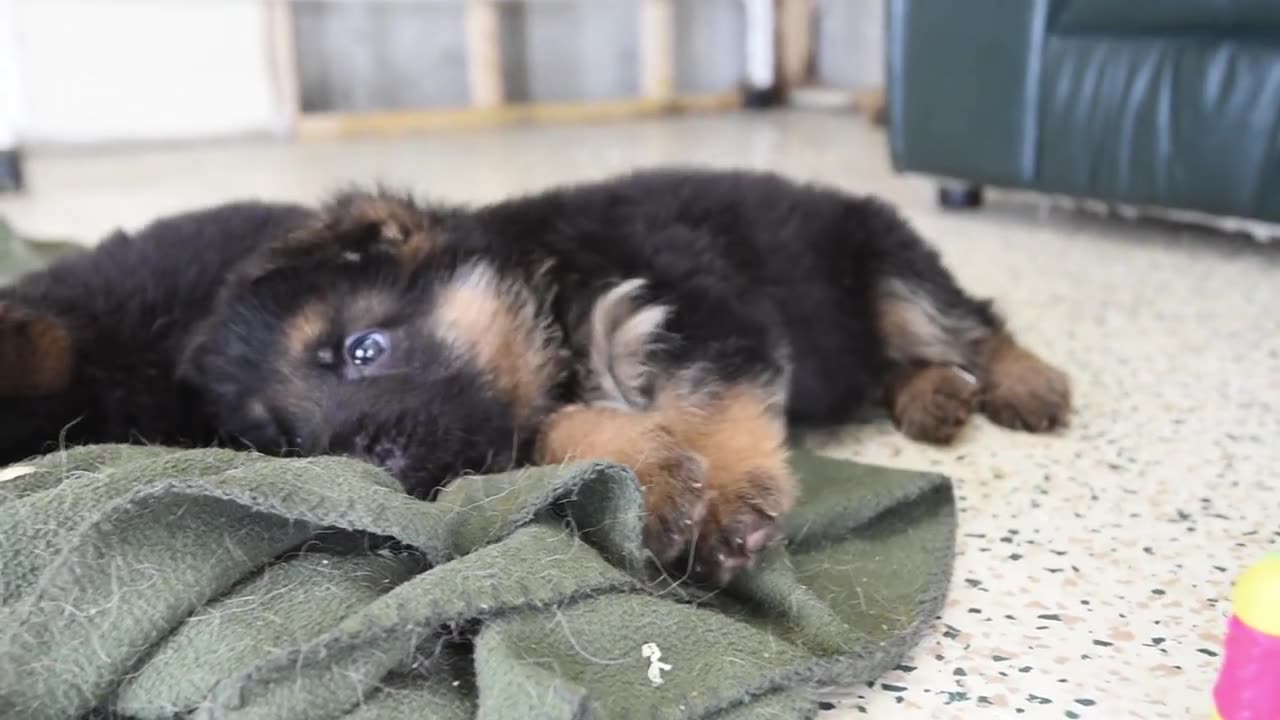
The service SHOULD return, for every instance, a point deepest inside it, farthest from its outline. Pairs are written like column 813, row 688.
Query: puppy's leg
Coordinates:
column 36, row 353
column 950, row 354
column 712, row 463
column 932, row 386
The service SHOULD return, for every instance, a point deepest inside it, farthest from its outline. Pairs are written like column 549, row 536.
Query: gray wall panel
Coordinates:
column 710, row 48
column 571, row 50
column 380, row 56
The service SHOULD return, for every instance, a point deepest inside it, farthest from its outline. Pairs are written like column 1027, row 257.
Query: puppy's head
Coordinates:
column 380, row 332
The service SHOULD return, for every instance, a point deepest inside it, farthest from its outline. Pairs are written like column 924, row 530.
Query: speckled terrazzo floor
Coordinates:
column 1094, row 566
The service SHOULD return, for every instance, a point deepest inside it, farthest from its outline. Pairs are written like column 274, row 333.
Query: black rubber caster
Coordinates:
column 761, row 98
column 10, row 171
column 960, row 197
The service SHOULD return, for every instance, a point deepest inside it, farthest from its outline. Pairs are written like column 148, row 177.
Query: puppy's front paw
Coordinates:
column 741, row 520
column 715, row 477
column 703, row 530
column 675, row 486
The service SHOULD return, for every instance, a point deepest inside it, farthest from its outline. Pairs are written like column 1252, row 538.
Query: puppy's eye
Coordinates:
column 368, row 348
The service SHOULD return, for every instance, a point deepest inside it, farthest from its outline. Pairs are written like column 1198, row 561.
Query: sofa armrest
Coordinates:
column 963, row 87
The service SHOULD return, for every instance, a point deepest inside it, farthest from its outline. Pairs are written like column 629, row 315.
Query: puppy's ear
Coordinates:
column 37, row 356
column 625, row 332
column 356, row 224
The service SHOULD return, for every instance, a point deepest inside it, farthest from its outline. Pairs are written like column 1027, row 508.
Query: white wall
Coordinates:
column 129, row 70
column 10, row 95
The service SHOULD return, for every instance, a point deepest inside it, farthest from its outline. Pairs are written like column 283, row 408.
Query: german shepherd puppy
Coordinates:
column 676, row 321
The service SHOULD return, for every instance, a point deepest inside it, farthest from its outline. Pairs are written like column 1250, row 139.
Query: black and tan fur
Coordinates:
column 677, row 321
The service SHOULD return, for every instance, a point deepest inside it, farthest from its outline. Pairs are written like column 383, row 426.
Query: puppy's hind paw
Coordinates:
column 36, row 353
column 933, row 404
column 1025, row 392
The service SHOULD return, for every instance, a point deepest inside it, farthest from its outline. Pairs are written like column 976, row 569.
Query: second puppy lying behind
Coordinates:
column 675, row 321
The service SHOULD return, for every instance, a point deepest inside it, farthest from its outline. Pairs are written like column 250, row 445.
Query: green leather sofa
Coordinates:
column 1150, row 103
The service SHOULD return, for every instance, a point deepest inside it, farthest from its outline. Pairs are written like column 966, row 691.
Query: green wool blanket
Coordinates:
column 144, row 582
column 19, row 254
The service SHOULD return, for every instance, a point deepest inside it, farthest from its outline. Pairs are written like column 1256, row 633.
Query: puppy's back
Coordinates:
column 92, row 341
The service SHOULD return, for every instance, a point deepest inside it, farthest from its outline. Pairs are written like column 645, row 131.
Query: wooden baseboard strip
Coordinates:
column 343, row 124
